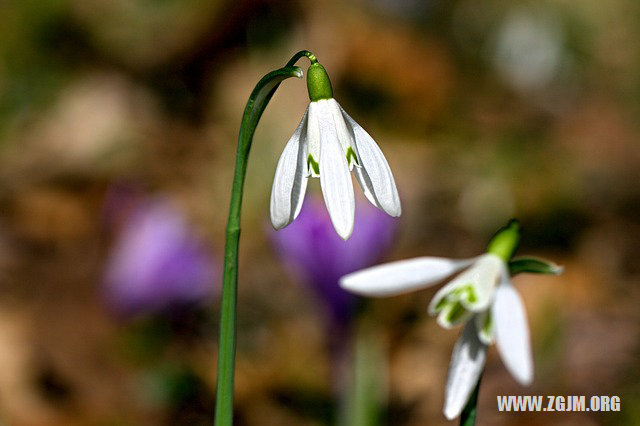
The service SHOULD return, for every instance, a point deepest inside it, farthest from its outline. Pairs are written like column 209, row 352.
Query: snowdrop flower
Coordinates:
column 481, row 296
column 328, row 144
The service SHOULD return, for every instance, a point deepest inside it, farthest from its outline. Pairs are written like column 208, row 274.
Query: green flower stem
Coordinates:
column 256, row 104
column 367, row 390
column 468, row 416
column 312, row 58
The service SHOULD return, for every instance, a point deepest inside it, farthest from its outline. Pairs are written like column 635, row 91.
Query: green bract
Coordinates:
column 533, row 265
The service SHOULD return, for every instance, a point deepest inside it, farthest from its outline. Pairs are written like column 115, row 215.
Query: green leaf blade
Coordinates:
column 534, row 265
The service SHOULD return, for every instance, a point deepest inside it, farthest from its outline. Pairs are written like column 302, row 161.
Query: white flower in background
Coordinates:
column 328, row 144
column 481, row 296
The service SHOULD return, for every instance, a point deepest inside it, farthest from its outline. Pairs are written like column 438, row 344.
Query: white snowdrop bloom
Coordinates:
column 328, row 144
column 481, row 296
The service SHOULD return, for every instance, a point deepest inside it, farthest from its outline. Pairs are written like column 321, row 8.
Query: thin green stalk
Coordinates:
column 468, row 416
column 312, row 58
column 368, row 387
column 258, row 100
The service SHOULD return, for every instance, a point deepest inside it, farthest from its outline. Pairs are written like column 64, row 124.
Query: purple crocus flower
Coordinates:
column 157, row 261
column 317, row 255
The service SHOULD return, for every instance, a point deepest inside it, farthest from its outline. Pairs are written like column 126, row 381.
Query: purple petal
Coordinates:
column 157, row 262
column 316, row 254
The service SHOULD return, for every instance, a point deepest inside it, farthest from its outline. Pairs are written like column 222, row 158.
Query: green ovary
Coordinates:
column 318, row 83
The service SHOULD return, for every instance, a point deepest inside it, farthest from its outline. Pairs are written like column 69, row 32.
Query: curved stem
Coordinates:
column 468, row 416
column 300, row 54
column 256, row 104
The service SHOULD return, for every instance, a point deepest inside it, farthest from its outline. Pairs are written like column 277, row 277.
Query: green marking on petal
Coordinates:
column 456, row 312
column 441, row 304
column 484, row 325
column 352, row 155
column 313, row 164
column 466, row 292
column 471, row 294
column 487, row 326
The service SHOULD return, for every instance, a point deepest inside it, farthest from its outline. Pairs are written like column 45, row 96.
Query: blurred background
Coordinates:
column 118, row 127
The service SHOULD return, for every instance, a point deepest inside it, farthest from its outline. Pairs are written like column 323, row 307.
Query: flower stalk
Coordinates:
column 364, row 402
column 258, row 100
column 468, row 415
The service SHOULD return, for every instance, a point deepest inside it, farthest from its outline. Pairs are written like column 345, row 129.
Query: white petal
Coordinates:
column 482, row 278
column 512, row 333
column 374, row 175
column 488, row 270
column 313, row 132
column 343, row 131
column 401, row 277
column 467, row 363
column 335, row 179
column 446, row 291
column 290, row 181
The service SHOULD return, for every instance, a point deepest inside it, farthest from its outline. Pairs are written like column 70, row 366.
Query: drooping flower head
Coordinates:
column 157, row 261
column 328, row 144
column 481, row 297
column 317, row 256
